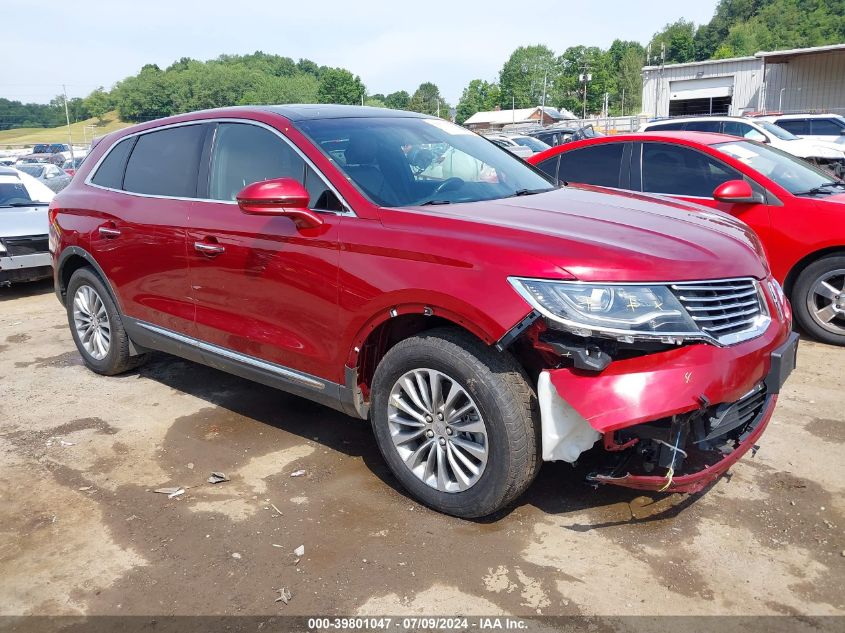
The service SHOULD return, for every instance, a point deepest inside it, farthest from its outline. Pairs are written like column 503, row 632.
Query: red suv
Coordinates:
column 399, row 268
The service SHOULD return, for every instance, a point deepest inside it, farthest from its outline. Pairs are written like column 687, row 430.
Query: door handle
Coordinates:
column 108, row 232
column 207, row 248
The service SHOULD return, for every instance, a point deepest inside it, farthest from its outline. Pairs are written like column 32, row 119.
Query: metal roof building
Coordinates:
column 798, row 80
column 497, row 119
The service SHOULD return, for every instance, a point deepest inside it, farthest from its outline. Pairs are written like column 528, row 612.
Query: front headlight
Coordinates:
column 616, row 309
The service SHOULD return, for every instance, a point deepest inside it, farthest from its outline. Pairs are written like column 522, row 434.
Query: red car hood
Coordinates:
column 598, row 234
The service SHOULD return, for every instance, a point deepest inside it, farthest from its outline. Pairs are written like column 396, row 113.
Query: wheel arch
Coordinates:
column 800, row 265
column 384, row 330
column 72, row 259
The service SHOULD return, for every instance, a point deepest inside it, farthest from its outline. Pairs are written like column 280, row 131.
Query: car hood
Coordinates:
column 18, row 221
column 806, row 148
column 598, row 234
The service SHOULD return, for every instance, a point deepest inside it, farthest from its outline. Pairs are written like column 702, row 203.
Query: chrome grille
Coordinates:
column 723, row 309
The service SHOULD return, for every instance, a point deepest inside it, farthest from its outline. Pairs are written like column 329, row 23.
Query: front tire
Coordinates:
column 818, row 299
column 456, row 422
column 97, row 327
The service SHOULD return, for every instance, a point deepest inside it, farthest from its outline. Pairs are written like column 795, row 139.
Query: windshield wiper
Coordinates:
column 31, row 203
column 428, row 202
column 528, row 192
column 822, row 188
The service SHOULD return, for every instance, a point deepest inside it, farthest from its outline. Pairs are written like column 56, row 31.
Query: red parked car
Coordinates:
column 483, row 318
column 798, row 210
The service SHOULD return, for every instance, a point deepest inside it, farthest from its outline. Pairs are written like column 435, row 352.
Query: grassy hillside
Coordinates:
column 81, row 132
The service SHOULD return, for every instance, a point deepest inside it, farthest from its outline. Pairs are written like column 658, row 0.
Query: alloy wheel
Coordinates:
column 826, row 301
column 438, row 430
column 91, row 321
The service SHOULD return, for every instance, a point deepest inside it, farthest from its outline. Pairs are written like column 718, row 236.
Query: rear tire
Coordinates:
column 97, row 327
column 469, row 457
column 818, row 299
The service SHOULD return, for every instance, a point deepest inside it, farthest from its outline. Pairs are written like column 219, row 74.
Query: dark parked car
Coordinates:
column 55, row 153
column 51, row 175
column 484, row 323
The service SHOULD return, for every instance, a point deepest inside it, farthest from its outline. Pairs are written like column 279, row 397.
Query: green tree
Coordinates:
column 427, row 100
column 478, row 96
column 398, row 100
column 338, row 85
column 630, row 79
column 521, row 77
column 98, row 103
column 679, row 40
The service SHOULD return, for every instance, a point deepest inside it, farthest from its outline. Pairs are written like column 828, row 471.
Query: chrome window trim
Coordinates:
column 347, row 212
column 290, row 374
column 758, row 329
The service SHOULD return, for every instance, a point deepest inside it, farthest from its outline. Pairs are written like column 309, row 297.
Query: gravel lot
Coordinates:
column 81, row 531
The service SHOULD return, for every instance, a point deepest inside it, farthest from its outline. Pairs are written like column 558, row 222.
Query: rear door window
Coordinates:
column 682, row 171
column 594, row 165
column 110, row 172
column 165, row 163
column 703, row 126
column 665, row 127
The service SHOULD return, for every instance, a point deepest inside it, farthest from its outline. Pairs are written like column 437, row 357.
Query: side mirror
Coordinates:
column 279, row 196
column 737, row 192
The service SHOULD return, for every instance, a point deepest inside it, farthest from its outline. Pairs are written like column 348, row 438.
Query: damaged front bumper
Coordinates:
column 672, row 420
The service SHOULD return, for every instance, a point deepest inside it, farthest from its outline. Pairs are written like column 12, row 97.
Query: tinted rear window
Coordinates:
column 595, row 165
column 110, row 172
column 165, row 163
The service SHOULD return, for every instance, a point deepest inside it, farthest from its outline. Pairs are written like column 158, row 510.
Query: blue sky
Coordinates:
column 391, row 45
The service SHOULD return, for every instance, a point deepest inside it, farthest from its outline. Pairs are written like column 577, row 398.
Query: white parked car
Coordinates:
column 816, row 127
column 511, row 145
column 822, row 153
column 24, row 251
column 534, row 144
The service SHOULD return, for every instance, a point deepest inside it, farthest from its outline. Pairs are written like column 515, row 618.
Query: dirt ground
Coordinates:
column 81, row 531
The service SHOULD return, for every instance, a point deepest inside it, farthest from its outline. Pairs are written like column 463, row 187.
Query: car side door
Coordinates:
column 264, row 288
column 685, row 172
column 140, row 195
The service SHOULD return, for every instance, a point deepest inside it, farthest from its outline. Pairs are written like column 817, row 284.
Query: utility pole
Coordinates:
column 67, row 118
column 513, row 108
column 438, row 108
column 543, row 103
column 623, row 102
column 585, row 77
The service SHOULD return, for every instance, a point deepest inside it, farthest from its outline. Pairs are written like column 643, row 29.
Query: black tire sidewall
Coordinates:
column 112, row 360
column 803, row 286
column 486, row 494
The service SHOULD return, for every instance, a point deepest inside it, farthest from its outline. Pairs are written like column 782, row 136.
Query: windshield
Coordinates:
column 791, row 173
column 399, row 162
column 19, row 191
column 776, row 130
column 12, row 191
column 533, row 144
column 33, row 169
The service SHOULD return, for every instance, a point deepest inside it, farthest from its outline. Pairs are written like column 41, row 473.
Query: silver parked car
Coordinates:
column 51, row 175
column 24, row 251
